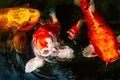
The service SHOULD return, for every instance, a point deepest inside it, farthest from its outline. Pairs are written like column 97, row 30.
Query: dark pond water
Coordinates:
column 12, row 64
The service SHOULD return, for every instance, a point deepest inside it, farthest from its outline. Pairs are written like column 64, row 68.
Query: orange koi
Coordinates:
column 101, row 36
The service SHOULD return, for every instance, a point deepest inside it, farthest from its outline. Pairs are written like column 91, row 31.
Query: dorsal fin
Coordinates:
column 91, row 7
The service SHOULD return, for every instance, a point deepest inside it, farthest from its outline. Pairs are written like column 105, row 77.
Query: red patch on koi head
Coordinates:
column 46, row 39
column 40, row 36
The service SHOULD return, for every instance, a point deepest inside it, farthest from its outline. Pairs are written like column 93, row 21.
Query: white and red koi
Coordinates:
column 46, row 43
column 74, row 31
column 45, row 39
column 101, row 36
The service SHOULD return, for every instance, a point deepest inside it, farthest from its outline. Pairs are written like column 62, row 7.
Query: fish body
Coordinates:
column 15, row 22
column 17, row 19
column 21, row 18
column 74, row 31
column 100, row 35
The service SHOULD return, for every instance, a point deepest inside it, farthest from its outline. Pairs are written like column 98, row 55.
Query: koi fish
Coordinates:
column 23, row 19
column 15, row 22
column 101, row 36
column 74, row 31
column 47, row 44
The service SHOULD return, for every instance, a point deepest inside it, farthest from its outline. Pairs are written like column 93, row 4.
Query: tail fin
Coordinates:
column 33, row 64
column 20, row 43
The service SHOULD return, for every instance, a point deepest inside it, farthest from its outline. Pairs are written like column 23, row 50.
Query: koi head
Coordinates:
column 44, row 44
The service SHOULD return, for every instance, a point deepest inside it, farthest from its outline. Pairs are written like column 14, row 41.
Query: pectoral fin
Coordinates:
column 66, row 53
column 89, row 51
column 118, row 40
column 33, row 64
column 20, row 43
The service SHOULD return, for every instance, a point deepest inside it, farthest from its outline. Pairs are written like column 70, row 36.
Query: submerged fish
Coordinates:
column 101, row 36
column 74, row 31
column 14, row 22
column 46, row 44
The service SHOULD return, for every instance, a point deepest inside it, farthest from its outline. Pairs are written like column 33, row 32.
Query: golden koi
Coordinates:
column 15, row 22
